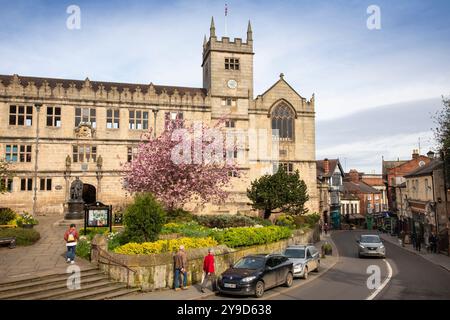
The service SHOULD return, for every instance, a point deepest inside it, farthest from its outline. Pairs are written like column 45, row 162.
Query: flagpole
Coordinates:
column 226, row 24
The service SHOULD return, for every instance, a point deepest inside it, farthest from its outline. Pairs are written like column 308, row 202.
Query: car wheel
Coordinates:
column 289, row 280
column 305, row 273
column 259, row 289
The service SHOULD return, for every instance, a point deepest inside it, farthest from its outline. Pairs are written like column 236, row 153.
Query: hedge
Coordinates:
column 24, row 237
column 163, row 246
column 225, row 221
column 249, row 236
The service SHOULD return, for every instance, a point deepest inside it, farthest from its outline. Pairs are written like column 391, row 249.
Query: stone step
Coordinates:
column 47, row 277
column 90, row 292
column 103, row 294
column 67, row 294
column 115, row 294
column 39, row 286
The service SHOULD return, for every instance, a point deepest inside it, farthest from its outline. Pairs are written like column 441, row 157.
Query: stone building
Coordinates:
column 330, row 177
column 369, row 197
column 56, row 130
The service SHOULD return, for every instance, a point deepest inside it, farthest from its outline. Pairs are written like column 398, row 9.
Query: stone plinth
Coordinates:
column 75, row 210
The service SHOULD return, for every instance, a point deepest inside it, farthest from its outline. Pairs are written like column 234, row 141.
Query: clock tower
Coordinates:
column 228, row 70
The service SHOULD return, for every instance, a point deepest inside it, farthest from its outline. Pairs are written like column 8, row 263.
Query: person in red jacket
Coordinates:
column 208, row 269
column 71, row 237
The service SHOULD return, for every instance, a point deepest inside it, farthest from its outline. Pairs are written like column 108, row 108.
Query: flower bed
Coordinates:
column 162, row 246
column 24, row 237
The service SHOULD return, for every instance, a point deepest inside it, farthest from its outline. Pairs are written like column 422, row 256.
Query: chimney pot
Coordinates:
column 326, row 166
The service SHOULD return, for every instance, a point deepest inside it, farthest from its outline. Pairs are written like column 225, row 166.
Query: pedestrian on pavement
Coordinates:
column 419, row 242
column 208, row 269
column 433, row 242
column 414, row 240
column 325, row 228
column 402, row 237
column 180, row 268
column 71, row 238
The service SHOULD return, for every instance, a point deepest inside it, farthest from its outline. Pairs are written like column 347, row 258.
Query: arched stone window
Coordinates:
column 283, row 120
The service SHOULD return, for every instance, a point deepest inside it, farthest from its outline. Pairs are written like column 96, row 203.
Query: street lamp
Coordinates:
column 38, row 109
column 155, row 112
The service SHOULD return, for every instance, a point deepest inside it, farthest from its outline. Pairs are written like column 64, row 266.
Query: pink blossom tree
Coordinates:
column 182, row 165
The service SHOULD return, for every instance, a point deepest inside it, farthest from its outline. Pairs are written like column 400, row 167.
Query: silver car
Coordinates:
column 371, row 245
column 306, row 258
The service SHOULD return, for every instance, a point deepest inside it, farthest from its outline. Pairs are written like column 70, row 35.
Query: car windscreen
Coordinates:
column 370, row 239
column 250, row 263
column 295, row 253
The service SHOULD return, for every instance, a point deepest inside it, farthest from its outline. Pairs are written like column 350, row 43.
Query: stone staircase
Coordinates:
column 94, row 285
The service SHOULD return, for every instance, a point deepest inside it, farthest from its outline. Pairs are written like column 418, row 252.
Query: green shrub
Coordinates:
column 191, row 229
column 91, row 232
column 248, row 236
column 306, row 221
column 83, row 249
column 24, row 237
column 6, row 215
column 285, row 220
column 262, row 221
column 179, row 215
column 143, row 219
column 225, row 221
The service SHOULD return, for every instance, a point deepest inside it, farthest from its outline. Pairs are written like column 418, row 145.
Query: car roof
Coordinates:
column 299, row 246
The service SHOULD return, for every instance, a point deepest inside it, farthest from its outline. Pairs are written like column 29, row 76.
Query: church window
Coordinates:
column 53, row 116
column 6, row 184
column 231, row 64
column 84, row 153
column 21, row 115
column 138, row 120
column 46, row 184
column 85, row 116
column 112, row 119
column 283, row 121
column 26, row 184
column 18, row 153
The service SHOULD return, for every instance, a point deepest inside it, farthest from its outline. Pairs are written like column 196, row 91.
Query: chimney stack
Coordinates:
column 354, row 176
column 415, row 154
column 326, row 166
column 430, row 154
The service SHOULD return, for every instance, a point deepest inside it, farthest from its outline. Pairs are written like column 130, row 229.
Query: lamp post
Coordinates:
column 36, row 149
column 155, row 112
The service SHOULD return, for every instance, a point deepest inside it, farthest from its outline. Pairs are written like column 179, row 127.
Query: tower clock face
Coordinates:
column 232, row 84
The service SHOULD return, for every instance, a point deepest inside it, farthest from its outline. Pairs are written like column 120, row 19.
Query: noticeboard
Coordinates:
column 98, row 215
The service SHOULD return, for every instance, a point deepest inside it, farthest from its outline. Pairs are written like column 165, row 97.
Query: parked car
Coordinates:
column 370, row 245
column 305, row 258
column 254, row 274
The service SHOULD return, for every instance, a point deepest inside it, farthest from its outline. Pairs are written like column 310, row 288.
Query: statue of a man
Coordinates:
column 76, row 190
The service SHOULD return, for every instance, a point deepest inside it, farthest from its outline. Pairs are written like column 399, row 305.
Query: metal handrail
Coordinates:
column 110, row 259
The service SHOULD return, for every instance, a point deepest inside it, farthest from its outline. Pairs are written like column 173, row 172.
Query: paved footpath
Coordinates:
column 436, row 258
column 46, row 256
column 194, row 292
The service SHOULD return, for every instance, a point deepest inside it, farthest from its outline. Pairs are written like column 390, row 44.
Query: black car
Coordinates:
column 254, row 274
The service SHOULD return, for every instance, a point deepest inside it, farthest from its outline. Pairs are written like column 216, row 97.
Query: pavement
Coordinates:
column 436, row 258
column 46, row 256
column 194, row 292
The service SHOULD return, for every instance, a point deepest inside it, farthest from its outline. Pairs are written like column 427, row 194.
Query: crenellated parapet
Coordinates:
column 87, row 90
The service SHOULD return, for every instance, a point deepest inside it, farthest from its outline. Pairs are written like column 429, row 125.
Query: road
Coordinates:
column 412, row 277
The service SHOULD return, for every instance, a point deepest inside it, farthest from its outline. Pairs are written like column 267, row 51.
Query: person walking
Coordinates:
column 419, row 242
column 414, row 240
column 325, row 228
column 71, row 237
column 433, row 242
column 208, row 269
column 180, row 269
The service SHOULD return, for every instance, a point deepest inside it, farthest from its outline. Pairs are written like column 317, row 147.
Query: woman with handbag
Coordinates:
column 208, row 270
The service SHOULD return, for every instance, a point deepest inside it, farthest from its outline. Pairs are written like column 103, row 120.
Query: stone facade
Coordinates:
column 54, row 130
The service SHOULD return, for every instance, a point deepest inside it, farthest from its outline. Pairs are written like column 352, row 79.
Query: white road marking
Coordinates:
column 385, row 282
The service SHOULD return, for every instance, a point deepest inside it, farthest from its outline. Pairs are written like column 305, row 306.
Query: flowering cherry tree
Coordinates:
column 182, row 164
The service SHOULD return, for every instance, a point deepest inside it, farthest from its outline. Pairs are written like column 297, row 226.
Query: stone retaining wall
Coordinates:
column 156, row 271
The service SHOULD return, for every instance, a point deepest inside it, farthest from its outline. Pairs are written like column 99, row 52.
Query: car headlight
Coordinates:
column 362, row 247
column 381, row 247
column 248, row 279
column 298, row 266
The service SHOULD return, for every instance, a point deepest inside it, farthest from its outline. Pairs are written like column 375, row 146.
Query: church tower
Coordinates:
column 228, row 70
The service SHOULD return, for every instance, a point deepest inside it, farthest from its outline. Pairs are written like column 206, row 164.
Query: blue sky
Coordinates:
column 322, row 47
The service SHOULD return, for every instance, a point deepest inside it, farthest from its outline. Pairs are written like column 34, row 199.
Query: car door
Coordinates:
column 282, row 269
column 309, row 260
column 315, row 256
column 270, row 273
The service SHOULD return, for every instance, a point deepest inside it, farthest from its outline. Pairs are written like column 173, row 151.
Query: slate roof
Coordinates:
column 38, row 81
column 426, row 169
column 320, row 167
